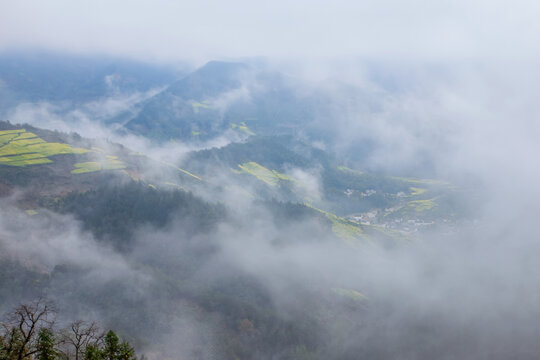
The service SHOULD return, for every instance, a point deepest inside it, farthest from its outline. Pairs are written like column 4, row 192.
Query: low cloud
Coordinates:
column 469, row 292
column 307, row 183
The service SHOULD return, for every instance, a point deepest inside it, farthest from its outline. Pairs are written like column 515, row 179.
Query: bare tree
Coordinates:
column 20, row 331
column 79, row 335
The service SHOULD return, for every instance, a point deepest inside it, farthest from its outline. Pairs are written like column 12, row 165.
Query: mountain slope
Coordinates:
column 220, row 96
column 42, row 76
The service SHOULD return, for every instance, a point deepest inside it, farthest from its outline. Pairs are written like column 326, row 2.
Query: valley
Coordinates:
column 204, row 212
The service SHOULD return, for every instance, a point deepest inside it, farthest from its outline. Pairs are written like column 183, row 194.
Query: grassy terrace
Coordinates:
column 343, row 228
column 422, row 205
column 110, row 163
column 270, row 177
column 200, row 105
column 242, row 127
column 22, row 148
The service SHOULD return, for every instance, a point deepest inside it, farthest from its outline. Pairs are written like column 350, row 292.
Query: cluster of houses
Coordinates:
column 401, row 224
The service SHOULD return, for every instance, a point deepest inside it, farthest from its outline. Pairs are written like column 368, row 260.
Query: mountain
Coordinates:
column 223, row 96
column 61, row 78
column 209, row 81
column 183, row 110
column 250, row 250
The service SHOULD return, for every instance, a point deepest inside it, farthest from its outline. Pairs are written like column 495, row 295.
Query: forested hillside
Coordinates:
column 241, row 209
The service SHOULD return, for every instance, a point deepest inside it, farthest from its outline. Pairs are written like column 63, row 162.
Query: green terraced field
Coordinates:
column 421, row 181
column 110, row 163
column 343, row 228
column 417, row 191
column 422, row 205
column 22, row 148
column 179, row 169
column 86, row 167
column 351, row 171
column 270, row 177
column 197, row 106
column 242, row 127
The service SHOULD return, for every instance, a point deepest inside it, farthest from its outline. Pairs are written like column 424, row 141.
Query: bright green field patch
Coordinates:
column 26, row 142
column 345, row 229
column 174, row 185
column 50, row 149
column 242, row 127
column 13, row 149
column 197, row 106
column 270, row 177
column 86, row 167
column 422, row 205
column 179, row 169
column 31, row 212
column 346, row 169
column 420, row 181
column 16, row 131
column 417, row 191
column 282, row 176
column 260, row 172
column 24, row 159
column 20, row 157
column 21, row 148
column 4, row 139
column 111, row 163
column 26, row 135
column 30, row 162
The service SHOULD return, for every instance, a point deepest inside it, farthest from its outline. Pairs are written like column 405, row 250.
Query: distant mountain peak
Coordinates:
column 209, row 80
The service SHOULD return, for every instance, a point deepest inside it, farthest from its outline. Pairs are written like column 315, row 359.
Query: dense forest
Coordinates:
column 247, row 322
column 112, row 213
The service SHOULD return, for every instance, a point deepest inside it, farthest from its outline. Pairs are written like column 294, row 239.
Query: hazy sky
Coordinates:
column 198, row 30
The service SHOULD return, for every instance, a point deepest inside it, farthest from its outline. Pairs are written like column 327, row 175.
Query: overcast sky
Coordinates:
column 203, row 29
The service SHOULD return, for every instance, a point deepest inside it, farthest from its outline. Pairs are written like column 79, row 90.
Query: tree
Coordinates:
column 10, row 342
column 28, row 334
column 126, row 352
column 46, row 345
column 112, row 346
column 20, row 333
column 114, row 350
column 93, row 352
column 79, row 336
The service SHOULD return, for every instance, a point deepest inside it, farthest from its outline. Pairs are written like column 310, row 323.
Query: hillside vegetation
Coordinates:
column 21, row 148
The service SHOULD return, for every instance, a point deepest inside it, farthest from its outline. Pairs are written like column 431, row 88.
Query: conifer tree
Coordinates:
column 126, row 352
column 93, row 353
column 112, row 346
column 46, row 345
